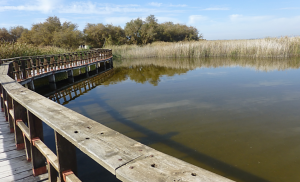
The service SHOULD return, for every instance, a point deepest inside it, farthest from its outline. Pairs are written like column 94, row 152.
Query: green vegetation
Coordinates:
column 283, row 47
column 54, row 33
column 16, row 49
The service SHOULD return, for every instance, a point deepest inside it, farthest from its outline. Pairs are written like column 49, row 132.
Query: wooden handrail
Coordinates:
column 124, row 157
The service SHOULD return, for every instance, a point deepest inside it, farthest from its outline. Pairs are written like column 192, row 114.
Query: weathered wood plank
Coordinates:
column 11, row 154
column 51, row 157
column 157, row 166
column 40, row 178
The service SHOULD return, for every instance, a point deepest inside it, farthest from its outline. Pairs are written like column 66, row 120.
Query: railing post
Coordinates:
column 19, row 114
column 10, row 117
column 17, row 70
column 45, row 65
column 29, row 67
column 11, row 71
column 23, row 68
column 37, row 65
column 66, row 154
column 36, row 132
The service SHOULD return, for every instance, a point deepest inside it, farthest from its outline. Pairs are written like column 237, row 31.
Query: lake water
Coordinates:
column 239, row 118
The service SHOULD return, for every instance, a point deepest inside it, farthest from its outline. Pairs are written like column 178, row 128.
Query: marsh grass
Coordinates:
column 15, row 49
column 283, row 47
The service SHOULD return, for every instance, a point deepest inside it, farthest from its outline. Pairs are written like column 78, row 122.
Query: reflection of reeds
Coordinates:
column 15, row 49
column 268, row 47
column 193, row 63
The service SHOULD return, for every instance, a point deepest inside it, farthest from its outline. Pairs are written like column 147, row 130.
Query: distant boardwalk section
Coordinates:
column 26, row 111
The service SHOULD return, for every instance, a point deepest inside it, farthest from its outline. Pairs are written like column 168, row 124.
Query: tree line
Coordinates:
column 54, row 33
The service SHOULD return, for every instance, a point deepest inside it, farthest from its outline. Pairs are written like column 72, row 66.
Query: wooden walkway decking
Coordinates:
column 13, row 163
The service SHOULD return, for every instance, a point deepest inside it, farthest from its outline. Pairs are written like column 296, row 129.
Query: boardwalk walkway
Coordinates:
column 13, row 163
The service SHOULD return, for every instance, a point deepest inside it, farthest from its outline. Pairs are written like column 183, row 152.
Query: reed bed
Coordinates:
column 284, row 47
column 15, row 49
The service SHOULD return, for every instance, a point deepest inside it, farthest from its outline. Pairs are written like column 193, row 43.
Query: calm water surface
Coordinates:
column 237, row 118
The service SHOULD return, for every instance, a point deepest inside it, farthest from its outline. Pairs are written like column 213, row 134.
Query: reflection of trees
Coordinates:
column 143, row 74
column 190, row 64
column 150, row 70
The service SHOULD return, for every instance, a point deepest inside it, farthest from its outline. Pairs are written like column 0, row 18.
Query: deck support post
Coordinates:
column 87, row 71
column 36, row 132
column 52, row 81
column 31, row 85
column 97, row 67
column 66, row 154
column 70, row 76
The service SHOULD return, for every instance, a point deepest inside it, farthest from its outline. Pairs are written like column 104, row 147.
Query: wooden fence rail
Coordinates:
column 124, row 157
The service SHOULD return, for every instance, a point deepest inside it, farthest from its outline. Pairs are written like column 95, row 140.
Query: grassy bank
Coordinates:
column 283, row 47
column 10, row 50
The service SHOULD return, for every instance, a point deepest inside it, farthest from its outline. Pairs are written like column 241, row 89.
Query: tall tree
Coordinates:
column 133, row 31
column 5, row 35
column 16, row 32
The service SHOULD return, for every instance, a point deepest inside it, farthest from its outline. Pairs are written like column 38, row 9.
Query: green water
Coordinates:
column 236, row 117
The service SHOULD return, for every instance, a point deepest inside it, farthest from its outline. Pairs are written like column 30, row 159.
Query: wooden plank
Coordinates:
column 72, row 178
column 11, row 112
column 40, row 178
column 11, row 154
column 51, row 157
column 157, row 166
column 18, row 176
column 24, row 129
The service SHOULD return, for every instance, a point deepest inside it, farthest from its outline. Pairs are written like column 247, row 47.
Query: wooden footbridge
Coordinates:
column 23, row 154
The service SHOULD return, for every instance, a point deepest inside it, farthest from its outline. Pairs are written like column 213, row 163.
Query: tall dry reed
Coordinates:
column 283, row 47
column 15, row 49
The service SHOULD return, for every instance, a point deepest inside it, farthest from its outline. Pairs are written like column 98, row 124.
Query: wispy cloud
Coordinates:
column 193, row 19
column 215, row 9
column 155, row 4
column 44, row 6
column 238, row 17
column 178, row 5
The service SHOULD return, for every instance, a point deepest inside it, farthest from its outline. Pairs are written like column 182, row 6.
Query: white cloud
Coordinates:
column 178, row 5
column 44, row 6
column 215, row 9
column 155, row 4
column 237, row 17
column 193, row 19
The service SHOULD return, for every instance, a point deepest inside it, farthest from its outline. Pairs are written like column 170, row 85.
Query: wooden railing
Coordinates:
column 124, row 157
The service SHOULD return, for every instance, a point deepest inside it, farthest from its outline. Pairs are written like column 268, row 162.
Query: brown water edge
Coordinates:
column 230, row 126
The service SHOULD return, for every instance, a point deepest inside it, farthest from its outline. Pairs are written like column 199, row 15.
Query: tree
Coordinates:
column 5, row 35
column 98, row 34
column 133, row 31
column 150, row 30
column 16, row 32
column 67, row 36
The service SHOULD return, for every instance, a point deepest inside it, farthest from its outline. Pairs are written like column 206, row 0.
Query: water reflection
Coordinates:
column 216, row 114
column 150, row 70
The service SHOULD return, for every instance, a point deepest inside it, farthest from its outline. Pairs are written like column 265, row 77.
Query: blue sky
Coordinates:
column 215, row 19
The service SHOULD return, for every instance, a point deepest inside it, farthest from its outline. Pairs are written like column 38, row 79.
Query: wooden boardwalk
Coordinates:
column 13, row 163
